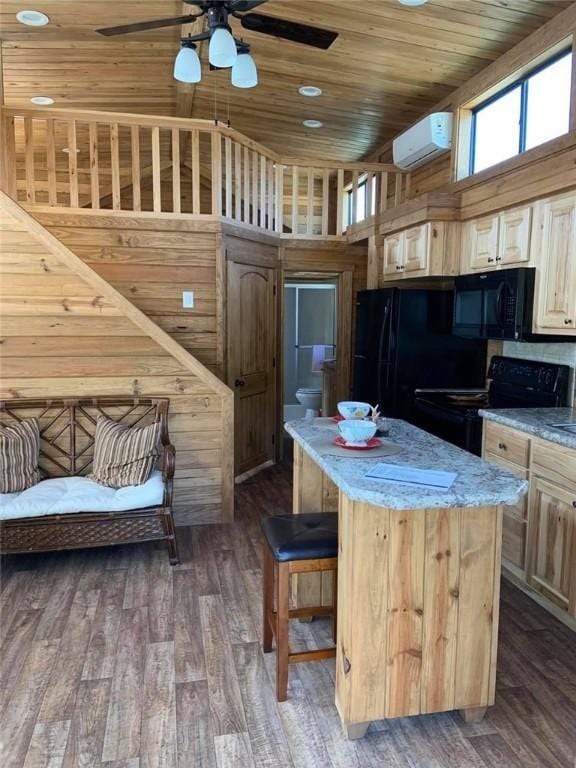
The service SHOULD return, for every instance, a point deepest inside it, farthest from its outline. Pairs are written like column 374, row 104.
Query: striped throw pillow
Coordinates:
column 124, row 455
column 19, row 454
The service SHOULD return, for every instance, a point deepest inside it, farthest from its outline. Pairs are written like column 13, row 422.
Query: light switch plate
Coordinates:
column 188, row 299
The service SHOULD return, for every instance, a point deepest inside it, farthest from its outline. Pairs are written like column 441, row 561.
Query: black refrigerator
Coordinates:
column 404, row 342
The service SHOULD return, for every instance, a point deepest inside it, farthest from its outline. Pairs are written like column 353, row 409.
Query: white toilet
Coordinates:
column 311, row 399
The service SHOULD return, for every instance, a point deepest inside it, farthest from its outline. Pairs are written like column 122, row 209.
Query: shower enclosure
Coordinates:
column 309, row 337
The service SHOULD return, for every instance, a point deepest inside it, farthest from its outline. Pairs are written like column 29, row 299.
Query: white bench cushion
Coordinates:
column 67, row 495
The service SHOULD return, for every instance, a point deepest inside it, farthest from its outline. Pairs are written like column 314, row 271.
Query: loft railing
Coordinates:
column 124, row 162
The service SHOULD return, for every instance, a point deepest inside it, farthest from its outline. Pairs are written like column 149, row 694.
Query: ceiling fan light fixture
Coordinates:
column 32, row 18
column 222, row 49
column 412, row 3
column 187, row 67
column 244, row 72
column 312, row 123
column 309, row 90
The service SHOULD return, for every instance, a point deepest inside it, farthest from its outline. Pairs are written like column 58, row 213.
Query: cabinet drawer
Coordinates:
column 555, row 462
column 506, row 443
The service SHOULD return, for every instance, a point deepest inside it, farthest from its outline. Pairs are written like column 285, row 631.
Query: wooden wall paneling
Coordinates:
column 113, row 350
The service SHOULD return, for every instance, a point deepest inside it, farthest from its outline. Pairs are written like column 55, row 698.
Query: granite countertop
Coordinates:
column 537, row 421
column 478, row 483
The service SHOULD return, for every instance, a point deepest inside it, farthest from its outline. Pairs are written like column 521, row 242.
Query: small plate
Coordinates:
column 374, row 442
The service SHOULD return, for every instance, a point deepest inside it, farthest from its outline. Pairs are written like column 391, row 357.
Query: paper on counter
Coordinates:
column 428, row 478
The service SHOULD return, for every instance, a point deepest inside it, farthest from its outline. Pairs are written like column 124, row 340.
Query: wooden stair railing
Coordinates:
column 168, row 165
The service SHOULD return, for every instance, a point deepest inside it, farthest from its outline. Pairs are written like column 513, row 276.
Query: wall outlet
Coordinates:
column 188, row 299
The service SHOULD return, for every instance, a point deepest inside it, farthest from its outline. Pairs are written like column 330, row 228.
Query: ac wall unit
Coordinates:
column 424, row 141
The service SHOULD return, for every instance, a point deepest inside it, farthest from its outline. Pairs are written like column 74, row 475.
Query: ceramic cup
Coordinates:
column 352, row 410
column 356, row 431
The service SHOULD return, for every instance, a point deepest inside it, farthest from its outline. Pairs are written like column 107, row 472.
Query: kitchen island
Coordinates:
column 418, row 574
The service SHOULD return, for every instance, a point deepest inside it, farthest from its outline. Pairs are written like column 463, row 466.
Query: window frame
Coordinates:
column 521, row 83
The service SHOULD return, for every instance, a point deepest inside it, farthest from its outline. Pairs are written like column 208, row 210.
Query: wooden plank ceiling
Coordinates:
column 389, row 64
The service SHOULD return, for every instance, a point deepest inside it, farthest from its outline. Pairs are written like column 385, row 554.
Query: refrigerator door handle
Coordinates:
column 380, row 345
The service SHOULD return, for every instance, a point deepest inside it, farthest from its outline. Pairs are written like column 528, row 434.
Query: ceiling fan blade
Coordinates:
column 139, row 26
column 289, row 30
column 241, row 6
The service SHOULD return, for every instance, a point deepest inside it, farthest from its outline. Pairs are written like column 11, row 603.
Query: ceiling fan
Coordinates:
column 224, row 49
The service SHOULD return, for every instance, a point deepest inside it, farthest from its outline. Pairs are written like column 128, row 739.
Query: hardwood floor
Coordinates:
column 112, row 658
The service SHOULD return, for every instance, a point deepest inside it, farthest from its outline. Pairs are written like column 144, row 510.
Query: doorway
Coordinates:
column 309, row 337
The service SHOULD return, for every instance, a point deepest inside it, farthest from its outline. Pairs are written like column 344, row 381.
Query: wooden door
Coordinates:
column 481, row 243
column 416, row 250
column 393, row 254
column 251, row 362
column 557, row 258
column 553, row 542
column 514, row 237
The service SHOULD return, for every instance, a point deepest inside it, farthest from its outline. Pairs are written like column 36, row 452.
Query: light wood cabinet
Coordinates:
column 498, row 241
column 426, row 250
column 480, row 242
column 555, row 241
column 393, row 254
column 552, row 566
column 538, row 534
column 514, row 237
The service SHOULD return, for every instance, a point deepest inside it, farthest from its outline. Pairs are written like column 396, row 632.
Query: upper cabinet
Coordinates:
column 426, row 250
column 555, row 242
column 498, row 241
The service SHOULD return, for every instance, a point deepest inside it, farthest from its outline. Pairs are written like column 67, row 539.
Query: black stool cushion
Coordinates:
column 302, row 537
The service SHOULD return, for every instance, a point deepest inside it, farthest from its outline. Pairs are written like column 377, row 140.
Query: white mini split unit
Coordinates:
column 424, row 141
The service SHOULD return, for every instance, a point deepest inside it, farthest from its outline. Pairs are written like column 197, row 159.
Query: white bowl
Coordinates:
column 356, row 431
column 353, row 410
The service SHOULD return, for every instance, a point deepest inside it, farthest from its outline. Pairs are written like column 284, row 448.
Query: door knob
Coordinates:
column 239, row 383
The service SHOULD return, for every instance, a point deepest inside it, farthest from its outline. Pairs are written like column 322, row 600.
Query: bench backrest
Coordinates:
column 67, row 426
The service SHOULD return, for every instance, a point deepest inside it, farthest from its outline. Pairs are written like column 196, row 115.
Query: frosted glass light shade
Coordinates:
column 244, row 72
column 222, row 49
column 187, row 67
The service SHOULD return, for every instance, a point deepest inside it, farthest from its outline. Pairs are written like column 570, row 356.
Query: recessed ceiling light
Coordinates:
column 312, row 124
column 412, row 2
column 42, row 101
column 67, row 150
column 32, row 18
column 310, row 90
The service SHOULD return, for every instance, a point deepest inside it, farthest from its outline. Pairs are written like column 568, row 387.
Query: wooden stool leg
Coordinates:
column 282, row 607
column 267, row 598
column 334, row 605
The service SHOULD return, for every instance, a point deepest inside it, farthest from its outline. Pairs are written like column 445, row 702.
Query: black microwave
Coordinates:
column 497, row 305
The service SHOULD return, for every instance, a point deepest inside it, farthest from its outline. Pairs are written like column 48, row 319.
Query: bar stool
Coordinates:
column 295, row 544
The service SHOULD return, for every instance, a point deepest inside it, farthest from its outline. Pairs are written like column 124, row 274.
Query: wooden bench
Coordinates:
column 67, row 429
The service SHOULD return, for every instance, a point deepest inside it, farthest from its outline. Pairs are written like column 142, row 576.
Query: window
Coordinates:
column 531, row 111
column 361, row 202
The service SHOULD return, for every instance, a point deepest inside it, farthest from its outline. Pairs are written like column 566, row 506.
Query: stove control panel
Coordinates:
column 529, row 374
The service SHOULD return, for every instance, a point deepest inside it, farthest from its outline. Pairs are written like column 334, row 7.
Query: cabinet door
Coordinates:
column 557, row 258
column 394, row 254
column 553, row 542
column 514, row 237
column 481, row 243
column 416, row 250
